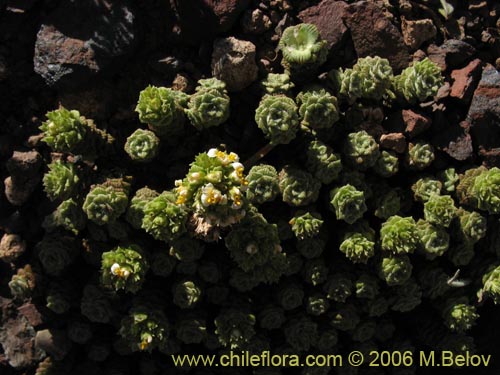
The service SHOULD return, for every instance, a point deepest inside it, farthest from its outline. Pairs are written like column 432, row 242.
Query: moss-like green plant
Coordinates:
column 367, row 286
column 301, row 333
column 419, row 81
column 145, row 328
column 302, row 47
column 318, row 109
column 311, row 248
column 163, row 218
column 464, row 187
column 370, row 78
column 472, row 225
column 434, row 240
column 235, row 328
column 348, row 203
column 276, row 83
column 345, row 317
column 322, row 162
column 186, row 294
column 68, row 215
column 491, row 285
column 395, row 270
column 186, row 249
column 209, row 105
column 434, row 282
column 461, row 253
column 459, row 315
column 364, row 331
column 64, row 130
column 440, row 210
column 61, row 181
column 298, row 187
column 485, row 190
column 398, row 235
column 306, row 224
column 358, row 247
column 271, row 317
column 449, row 178
column 142, row 145
column 406, row 296
column 338, row 287
column 327, row 340
column 361, row 150
column 95, row 305
column 290, row 295
column 387, row 203
column 135, row 212
column 22, row 283
column 424, row 187
column 277, row 117
column 191, row 330
column 262, row 184
column 107, row 201
column 124, row 268
column 315, row 271
column 387, row 164
column 253, row 242
column 420, row 155
column 161, row 109
column 317, row 305
column 56, row 252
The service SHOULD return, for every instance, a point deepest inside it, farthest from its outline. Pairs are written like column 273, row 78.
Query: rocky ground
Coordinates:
column 97, row 55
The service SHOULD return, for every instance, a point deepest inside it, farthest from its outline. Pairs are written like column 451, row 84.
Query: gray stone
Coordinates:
column 233, row 61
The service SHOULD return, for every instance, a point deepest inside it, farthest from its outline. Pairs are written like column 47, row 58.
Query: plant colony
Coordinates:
column 244, row 256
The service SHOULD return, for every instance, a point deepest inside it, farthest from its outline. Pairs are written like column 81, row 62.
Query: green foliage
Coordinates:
column 186, row 294
column 234, row 328
column 22, row 283
column 348, row 203
column 278, row 119
column 107, row 201
column 276, row 83
column 387, row 203
column 68, row 215
column 323, row 163
column 301, row 333
column 370, row 78
column 420, row 155
column 491, row 285
column 358, row 247
column 398, row 235
column 64, row 130
column 361, row 150
column 124, row 268
column 209, row 105
column 163, row 218
column 440, row 210
column 301, row 45
column 56, row 252
column 387, row 164
column 318, row 109
column 449, row 179
column 485, row 191
column 338, row 287
column 473, row 225
column 298, row 187
column 61, row 181
column 161, row 109
column 395, row 270
column 459, row 315
column 142, row 145
column 424, row 187
column 419, row 81
column 145, row 328
column 262, row 184
column 306, row 224
column 434, row 240
column 135, row 211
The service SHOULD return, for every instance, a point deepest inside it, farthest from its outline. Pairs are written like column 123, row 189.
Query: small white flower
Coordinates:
column 212, row 152
column 237, row 165
column 194, row 177
column 178, row 182
column 115, row 269
column 252, row 249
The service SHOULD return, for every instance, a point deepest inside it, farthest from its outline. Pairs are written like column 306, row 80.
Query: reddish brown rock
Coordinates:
column 484, row 111
column 393, row 141
column 491, row 157
column 416, row 32
column 451, row 54
column 327, row 16
column 32, row 314
column 373, row 34
column 465, row 79
column 12, row 246
column 416, row 123
column 24, row 164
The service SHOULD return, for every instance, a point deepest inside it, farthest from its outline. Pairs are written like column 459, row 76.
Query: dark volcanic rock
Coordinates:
column 416, row 123
column 53, row 341
column 455, row 140
column 484, row 111
column 373, row 34
column 24, row 168
column 327, row 16
column 24, row 164
column 451, row 54
column 17, row 337
column 82, row 38
column 203, row 19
